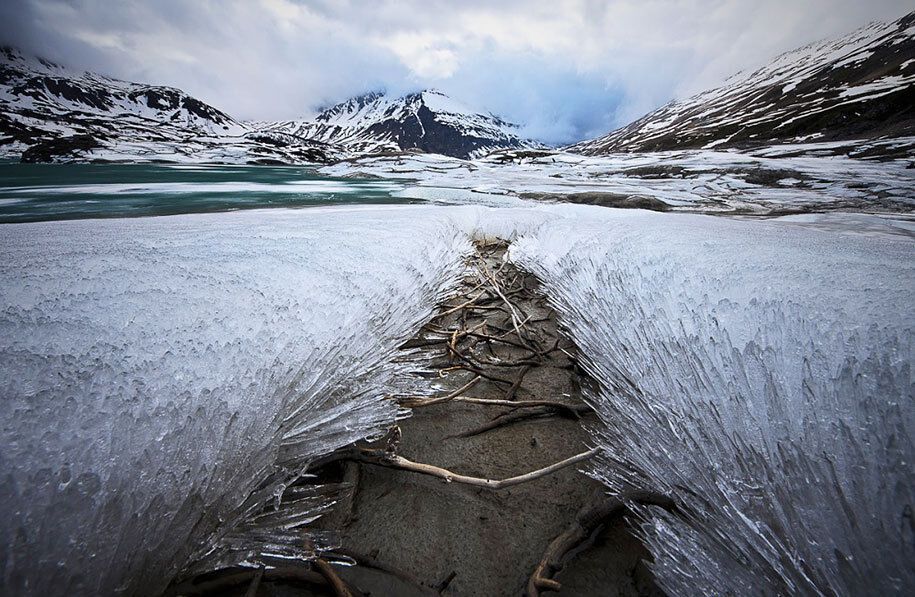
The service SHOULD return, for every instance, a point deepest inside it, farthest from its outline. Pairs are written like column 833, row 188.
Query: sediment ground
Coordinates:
column 437, row 508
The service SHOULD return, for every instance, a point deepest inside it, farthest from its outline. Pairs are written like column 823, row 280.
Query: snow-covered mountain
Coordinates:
column 48, row 112
column 427, row 121
column 860, row 86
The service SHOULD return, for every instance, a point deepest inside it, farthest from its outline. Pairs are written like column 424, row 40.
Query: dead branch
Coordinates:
column 481, row 373
column 335, row 582
column 588, row 521
column 414, row 402
column 227, row 579
column 458, row 307
column 502, row 340
column 507, row 364
column 369, row 561
column 518, row 416
column 510, row 394
column 255, row 582
column 388, row 459
column 516, row 319
column 571, row 409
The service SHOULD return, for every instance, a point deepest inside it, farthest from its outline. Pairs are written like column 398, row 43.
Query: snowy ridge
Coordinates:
column 164, row 380
column 779, row 417
column 859, row 86
column 48, row 112
column 427, row 121
column 50, row 87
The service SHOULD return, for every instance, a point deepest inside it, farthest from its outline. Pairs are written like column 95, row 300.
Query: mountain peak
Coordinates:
column 427, row 120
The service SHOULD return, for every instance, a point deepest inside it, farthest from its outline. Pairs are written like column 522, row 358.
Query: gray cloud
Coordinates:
column 566, row 69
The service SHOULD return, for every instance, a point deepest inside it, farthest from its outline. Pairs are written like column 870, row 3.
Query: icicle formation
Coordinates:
column 761, row 375
column 162, row 379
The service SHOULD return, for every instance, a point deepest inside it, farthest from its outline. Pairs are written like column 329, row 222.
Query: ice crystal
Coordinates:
column 761, row 375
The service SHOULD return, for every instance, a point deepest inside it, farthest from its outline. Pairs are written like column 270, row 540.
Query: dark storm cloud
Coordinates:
column 567, row 69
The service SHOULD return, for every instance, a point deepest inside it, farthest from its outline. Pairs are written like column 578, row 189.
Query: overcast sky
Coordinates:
column 566, row 69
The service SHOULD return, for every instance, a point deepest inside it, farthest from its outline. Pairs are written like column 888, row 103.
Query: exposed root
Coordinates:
column 370, row 561
column 391, row 460
column 571, row 409
column 510, row 394
column 514, row 311
column 222, row 581
column 444, row 584
column 255, row 583
column 415, row 402
column 335, row 582
column 577, row 410
column 590, row 518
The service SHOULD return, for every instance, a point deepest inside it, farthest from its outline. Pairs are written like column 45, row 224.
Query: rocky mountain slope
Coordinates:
column 428, row 121
column 48, row 112
column 857, row 87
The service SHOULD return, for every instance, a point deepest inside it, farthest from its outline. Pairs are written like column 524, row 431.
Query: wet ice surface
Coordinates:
column 162, row 378
column 759, row 373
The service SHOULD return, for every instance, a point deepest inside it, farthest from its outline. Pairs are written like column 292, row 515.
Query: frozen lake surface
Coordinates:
column 39, row 192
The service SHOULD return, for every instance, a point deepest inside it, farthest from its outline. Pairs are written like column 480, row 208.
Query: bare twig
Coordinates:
column 399, row 462
column 571, row 409
column 483, row 374
column 588, row 520
column 503, row 340
column 255, row 582
column 336, row 583
column 234, row 577
column 505, row 363
column 516, row 319
column 520, row 415
column 510, row 394
column 371, row 562
column 414, row 402
column 459, row 307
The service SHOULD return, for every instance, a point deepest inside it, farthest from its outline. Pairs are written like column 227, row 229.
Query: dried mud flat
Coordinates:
column 479, row 491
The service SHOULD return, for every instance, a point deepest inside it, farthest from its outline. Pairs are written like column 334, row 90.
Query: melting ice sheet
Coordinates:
column 760, row 374
column 162, row 378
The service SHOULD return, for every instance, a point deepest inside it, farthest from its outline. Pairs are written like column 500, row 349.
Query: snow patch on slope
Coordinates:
column 60, row 114
column 799, row 92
